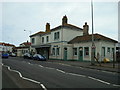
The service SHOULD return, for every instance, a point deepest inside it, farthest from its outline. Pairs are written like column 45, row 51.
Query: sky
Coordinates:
column 32, row 17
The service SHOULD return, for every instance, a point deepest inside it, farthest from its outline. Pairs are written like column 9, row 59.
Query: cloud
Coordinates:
column 33, row 17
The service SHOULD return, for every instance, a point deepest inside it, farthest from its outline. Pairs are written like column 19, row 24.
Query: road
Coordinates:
column 46, row 74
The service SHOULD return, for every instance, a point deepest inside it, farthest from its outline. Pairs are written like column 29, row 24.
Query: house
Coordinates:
column 82, row 45
column 70, row 42
column 6, row 47
column 23, row 48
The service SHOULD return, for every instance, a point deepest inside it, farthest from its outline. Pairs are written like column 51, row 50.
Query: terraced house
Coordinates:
column 69, row 42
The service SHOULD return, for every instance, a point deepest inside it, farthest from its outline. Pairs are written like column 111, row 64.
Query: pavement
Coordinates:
column 104, row 66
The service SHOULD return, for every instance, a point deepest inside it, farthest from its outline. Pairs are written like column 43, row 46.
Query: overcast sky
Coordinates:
column 33, row 16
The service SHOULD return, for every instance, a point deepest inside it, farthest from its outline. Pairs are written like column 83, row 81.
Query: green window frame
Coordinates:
column 47, row 39
column 53, row 51
column 104, row 51
column 42, row 39
column 57, row 51
column 55, row 36
column 86, row 51
column 108, row 49
column 74, row 51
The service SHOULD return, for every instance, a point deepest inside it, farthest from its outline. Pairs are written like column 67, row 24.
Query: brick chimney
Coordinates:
column 85, row 29
column 47, row 27
column 64, row 20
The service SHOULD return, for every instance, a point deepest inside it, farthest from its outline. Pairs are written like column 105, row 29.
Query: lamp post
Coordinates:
column 93, row 45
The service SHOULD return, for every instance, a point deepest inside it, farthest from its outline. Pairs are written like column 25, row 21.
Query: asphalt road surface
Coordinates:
column 46, row 74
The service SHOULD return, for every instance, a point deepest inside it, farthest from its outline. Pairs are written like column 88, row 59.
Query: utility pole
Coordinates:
column 93, row 45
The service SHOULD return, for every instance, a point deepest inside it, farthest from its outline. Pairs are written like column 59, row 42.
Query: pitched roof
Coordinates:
column 7, row 44
column 26, row 43
column 85, row 38
column 58, row 27
column 41, row 32
column 67, row 26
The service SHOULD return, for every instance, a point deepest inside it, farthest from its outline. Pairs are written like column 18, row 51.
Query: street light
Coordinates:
column 93, row 45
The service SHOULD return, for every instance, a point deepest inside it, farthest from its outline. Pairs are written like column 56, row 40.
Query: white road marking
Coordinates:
column 64, row 64
column 89, row 68
column 99, row 80
column 116, row 85
column 49, row 68
column 76, row 74
column 40, row 65
column 79, row 74
column 26, row 78
column 29, row 63
column 109, row 72
column 43, row 87
column 60, row 71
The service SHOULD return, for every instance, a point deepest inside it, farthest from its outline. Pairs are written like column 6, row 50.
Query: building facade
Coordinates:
column 6, row 47
column 23, row 48
column 62, row 43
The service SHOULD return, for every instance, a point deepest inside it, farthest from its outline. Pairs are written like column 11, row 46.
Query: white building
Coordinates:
column 23, row 48
column 6, row 47
column 62, row 43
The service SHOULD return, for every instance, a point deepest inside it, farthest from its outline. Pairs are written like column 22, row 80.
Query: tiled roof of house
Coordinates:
column 58, row 27
column 26, row 43
column 37, row 33
column 85, row 38
column 7, row 44
column 67, row 26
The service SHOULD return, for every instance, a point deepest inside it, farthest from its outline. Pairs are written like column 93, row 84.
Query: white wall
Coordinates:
column 99, row 45
column 69, row 34
column 37, row 40
column 45, row 36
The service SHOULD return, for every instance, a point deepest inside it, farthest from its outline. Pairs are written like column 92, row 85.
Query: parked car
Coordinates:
column 39, row 57
column 5, row 55
column 27, row 56
column 12, row 54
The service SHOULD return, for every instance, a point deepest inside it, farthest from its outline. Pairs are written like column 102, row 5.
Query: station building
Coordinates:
column 70, row 42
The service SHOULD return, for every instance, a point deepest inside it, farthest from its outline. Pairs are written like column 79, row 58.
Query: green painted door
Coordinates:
column 65, row 54
column 80, row 54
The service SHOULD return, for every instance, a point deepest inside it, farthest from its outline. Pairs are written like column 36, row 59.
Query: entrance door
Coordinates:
column 65, row 54
column 80, row 58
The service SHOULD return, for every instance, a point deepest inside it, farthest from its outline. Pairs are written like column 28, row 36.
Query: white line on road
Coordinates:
column 40, row 65
column 60, row 71
column 43, row 87
column 108, row 72
column 116, row 85
column 25, row 77
column 49, row 68
column 88, row 68
column 79, row 74
column 76, row 74
column 99, row 80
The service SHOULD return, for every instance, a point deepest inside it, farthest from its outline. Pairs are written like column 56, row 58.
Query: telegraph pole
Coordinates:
column 93, row 45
